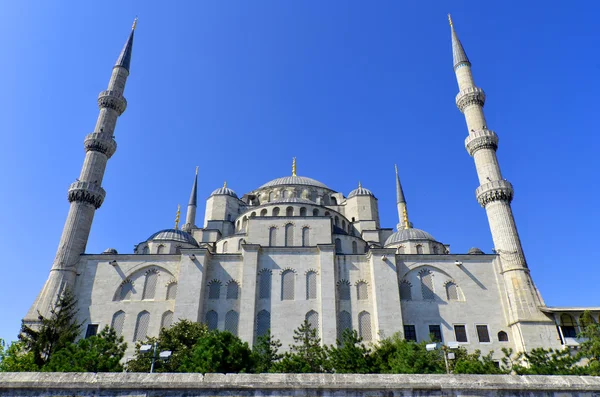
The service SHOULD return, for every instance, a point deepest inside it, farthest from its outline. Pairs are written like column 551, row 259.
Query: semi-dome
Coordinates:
column 173, row 235
column 475, row 251
column 360, row 191
column 294, row 180
column 224, row 190
column 410, row 234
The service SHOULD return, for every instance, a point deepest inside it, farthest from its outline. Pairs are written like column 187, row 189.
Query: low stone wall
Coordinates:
column 286, row 385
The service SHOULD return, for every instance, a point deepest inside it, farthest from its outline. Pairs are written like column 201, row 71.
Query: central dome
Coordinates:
column 294, row 180
column 173, row 235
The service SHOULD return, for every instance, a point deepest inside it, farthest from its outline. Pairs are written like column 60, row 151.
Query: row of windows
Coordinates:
column 452, row 291
column 141, row 324
column 289, row 212
column 232, row 290
column 419, row 247
column 339, row 250
column 126, row 290
column 288, row 240
column 460, row 333
column 232, row 319
column 364, row 324
column 569, row 326
column 343, row 287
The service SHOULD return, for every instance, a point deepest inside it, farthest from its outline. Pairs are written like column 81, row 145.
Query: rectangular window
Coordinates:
column 435, row 333
column 92, row 329
column 410, row 333
column 460, row 331
column 483, row 334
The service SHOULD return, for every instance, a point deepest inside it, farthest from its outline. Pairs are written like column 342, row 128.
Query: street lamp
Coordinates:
column 444, row 349
column 164, row 355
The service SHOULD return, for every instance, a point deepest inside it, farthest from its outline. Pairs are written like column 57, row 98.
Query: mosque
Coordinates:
column 295, row 249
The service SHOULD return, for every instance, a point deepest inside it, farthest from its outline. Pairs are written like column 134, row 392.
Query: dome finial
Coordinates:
column 134, row 23
column 177, row 216
column 407, row 224
column 294, row 166
column 196, row 170
column 225, row 184
column 359, row 185
column 450, row 20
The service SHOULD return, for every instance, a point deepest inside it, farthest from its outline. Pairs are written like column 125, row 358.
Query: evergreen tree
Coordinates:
column 16, row 358
column 219, row 352
column 306, row 355
column 350, row 356
column 266, row 353
column 53, row 333
column 474, row 363
column 395, row 355
column 98, row 353
column 590, row 346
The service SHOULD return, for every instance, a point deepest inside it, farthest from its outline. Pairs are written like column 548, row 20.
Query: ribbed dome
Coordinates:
column 173, row 235
column 224, row 191
column 475, row 251
column 408, row 235
column 360, row 191
column 294, row 180
column 110, row 251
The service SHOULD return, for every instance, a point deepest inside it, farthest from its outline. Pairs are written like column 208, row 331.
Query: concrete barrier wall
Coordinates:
column 287, row 385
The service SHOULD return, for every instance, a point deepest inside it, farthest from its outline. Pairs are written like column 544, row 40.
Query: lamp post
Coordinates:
column 164, row 355
column 444, row 349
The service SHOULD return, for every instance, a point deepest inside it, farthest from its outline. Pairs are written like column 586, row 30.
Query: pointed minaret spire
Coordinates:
column 401, row 204
column 458, row 52
column 294, row 167
column 190, row 218
column 124, row 59
column 177, row 216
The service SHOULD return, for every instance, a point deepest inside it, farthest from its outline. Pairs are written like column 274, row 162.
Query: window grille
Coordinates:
column 305, row 237
column 141, row 326
column 364, row 325
column 273, row 236
column 150, row 284
column 212, row 320
column 313, row 319
column 311, row 285
column 452, row 291
column 435, row 333
column 502, row 336
column 167, row 319
column 483, row 334
column 289, row 235
column 117, row 322
column 125, row 291
column 231, row 322
column 344, row 323
column 171, row 291
column 263, row 322
column 362, row 291
column 410, row 333
column 214, row 289
column 344, row 290
column 427, row 285
column 287, row 285
column 232, row 290
column 460, row 332
column 405, row 291
column 264, row 281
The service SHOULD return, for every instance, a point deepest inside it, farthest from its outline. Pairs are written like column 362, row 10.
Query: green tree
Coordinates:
column 265, row 353
column 474, row 363
column 219, row 352
column 589, row 348
column 180, row 339
column 98, row 353
column 53, row 333
column 306, row 355
column 395, row 355
column 350, row 356
column 16, row 358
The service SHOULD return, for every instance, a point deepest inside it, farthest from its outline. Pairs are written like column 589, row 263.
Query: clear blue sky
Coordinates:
column 348, row 87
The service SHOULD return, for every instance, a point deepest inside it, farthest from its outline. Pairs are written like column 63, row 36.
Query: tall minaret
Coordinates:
column 495, row 193
column 86, row 194
column 190, row 218
column 401, row 204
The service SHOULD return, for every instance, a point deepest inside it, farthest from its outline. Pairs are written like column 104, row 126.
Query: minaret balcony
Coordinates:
column 470, row 96
column 112, row 99
column 100, row 142
column 88, row 192
column 500, row 190
column 481, row 139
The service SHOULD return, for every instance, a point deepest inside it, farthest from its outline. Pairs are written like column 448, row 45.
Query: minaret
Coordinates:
column 86, row 194
column 190, row 218
column 495, row 193
column 401, row 204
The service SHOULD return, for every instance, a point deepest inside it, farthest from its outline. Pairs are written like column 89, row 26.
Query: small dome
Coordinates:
column 475, row 251
column 110, row 251
column 173, row 235
column 224, row 191
column 360, row 191
column 294, row 180
column 409, row 235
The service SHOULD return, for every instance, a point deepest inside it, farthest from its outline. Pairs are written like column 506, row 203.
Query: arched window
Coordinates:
column 419, row 249
column 212, row 320
column 231, row 322
column 125, row 290
column 303, row 211
column 338, row 246
column 313, row 319
column 435, row 249
column 287, row 285
column 244, row 223
column 405, row 291
column 264, row 284
column 286, row 194
column 240, row 242
column 225, row 247
column 305, row 237
column 311, row 285
column 568, row 326
column 289, row 211
column 344, row 225
column 315, row 212
column 289, row 235
column 343, row 290
column 401, row 249
column 150, row 284
column 232, row 290
column 336, row 221
column 327, row 213
column 344, row 323
column 146, row 250
column 160, row 249
column 271, row 195
column 141, row 326
column 263, row 322
column 427, row 284
column 362, row 291
column 452, row 291
column 354, row 247
column 214, row 289
column 502, row 336
column 166, row 320
column 253, row 214
column 364, row 325
column 117, row 322
column 178, row 249
column 333, row 201
column 276, row 211
column 171, row 291
column 273, row 236
column 263, row 212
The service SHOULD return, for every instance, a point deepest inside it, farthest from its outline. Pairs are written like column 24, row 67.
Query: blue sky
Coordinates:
column 348, row 87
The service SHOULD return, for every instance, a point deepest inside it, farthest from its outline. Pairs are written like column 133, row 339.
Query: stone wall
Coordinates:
column 326, row 385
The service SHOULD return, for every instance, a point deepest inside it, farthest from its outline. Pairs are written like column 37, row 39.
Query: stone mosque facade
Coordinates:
column 294, row 249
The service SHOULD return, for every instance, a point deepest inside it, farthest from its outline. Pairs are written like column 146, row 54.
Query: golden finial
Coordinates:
column 134, row 23
column 294, row 167
column 225, row 184
column 405, row 216
column 196, row 170
column 450, row 20
column 177, row 216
